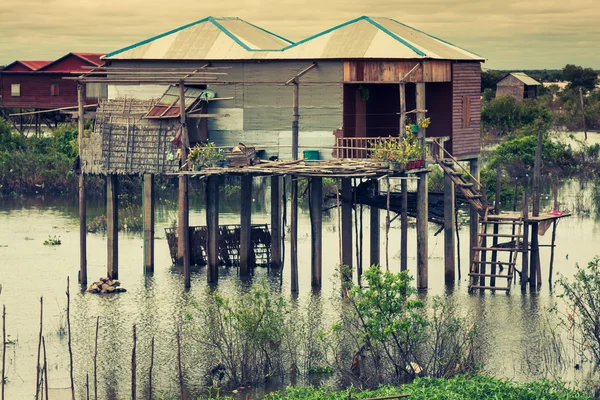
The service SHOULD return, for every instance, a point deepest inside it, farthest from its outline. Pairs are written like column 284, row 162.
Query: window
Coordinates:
column 15, row 90
column 54, row 89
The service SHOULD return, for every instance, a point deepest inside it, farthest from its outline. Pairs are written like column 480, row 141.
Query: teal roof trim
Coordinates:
column 435, row 37
column 270, row 33
column 398, row 38
column 143, row 42
column 325, row 32
column 228, row 33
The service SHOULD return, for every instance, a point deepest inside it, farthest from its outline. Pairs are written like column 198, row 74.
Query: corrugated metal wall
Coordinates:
column 261, row 109
column 466, row 109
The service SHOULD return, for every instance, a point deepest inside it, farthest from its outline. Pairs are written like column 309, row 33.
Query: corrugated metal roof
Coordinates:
column 34, row 65
column 28, row 65
column 206, row 39
column 526, row 79
column 168, row 105
column 235, row 39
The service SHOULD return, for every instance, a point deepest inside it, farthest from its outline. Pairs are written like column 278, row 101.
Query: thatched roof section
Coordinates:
column 124, row 142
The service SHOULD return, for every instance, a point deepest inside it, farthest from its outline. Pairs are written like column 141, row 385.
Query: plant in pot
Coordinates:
column 391, row 151
column 205, row 155
column 415, row 154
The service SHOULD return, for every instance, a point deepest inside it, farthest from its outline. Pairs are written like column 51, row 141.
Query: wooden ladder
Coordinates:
column 480, row 278
column 468, row 189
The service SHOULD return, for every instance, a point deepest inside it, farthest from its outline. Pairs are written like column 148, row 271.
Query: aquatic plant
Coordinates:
column 52, row 241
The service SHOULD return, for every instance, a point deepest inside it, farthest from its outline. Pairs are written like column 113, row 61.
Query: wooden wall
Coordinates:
column 389, row 71
column 466, row 109
column 510, row 86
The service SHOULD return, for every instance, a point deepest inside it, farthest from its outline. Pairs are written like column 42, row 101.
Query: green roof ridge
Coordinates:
column 325, row 32
column 228, row 33
column 398, row 38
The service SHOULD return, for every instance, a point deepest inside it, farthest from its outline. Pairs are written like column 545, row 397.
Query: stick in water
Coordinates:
column 69, row 340
column 45, row 367
column 96, row 360
column 3, row 348
column 150, row 372
column 39, row 377
column 133, row 364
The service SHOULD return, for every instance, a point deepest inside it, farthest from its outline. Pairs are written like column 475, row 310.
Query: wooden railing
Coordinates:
column 360, row 147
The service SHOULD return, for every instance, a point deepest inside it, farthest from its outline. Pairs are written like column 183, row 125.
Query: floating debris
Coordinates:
column 106, row 285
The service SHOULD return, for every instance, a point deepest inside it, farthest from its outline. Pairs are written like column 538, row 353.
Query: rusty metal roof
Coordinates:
column 207, row 39
column 168, row 105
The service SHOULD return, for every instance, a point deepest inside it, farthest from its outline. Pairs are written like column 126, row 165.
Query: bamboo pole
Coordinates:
column 150, row 371
column 583, row 112
column 39, row 350
column 69, row 340
column 96, row 359
column 133, row 364
column 87, row 386
column 3, row 348
column 45, row 367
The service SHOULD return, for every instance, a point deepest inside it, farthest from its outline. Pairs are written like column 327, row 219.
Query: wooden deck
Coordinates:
column 338, row 168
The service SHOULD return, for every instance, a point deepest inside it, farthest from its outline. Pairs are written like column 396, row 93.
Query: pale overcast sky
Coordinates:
column 517, row 34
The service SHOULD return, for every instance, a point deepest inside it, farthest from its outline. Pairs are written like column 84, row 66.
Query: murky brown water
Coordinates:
column 28, row 270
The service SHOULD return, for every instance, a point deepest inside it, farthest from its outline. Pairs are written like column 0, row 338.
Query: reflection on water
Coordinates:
column 28, row 270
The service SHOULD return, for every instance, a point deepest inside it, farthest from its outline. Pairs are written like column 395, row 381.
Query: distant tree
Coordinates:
column 489, row 79
column 488, row 95
column 505, row 115
column 578, row 77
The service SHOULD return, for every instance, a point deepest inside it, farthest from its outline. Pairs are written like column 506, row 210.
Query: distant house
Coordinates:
column 40, row 84
column 518, row 85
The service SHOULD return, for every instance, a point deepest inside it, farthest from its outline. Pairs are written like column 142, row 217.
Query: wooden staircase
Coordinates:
column 503, row 257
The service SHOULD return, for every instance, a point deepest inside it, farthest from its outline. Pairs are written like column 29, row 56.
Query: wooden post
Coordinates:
column 112, row 225
column 449, row 205
column 183, row 243
column 422, row 234
column 404, row 225
column 535, row 250
column 483, row 253
column 295, row 106
column 402, row 87
column 149, row 223
column 276, row 222
column 496, row 227
column 375, row 237
column 582, row 112
column 212, row 226
column 525, row 251
column 294, row 234
column 347, row 224
column 82, row 200
column 552, row 251
column 316, row 224
column 246, row 250
column 474, row 214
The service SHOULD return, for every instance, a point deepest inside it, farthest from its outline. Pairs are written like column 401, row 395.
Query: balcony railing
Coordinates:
column 361, row 147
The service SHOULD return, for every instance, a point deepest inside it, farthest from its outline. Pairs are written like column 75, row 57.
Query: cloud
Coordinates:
column 510, row 33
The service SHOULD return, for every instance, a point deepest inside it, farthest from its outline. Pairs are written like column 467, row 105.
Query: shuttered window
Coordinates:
column 54, row 89
column 15, row 90
column 466, row 111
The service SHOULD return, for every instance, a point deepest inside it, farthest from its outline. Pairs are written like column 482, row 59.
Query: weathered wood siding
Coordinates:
column 466, row 109
column 389, row 71
column 510, row 86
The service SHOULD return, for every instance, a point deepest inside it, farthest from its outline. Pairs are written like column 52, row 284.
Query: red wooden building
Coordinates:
column 40, row 84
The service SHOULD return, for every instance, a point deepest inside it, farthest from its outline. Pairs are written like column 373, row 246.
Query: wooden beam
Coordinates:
column 276, row 219
column 316, row 224
column 75, row 108
column 301, row 73
column 246, row 250
column 212, row 226
column 449, row 224
column 148, row 200
column 112, row 226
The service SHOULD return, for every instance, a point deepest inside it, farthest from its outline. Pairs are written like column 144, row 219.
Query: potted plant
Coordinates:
column 205, row 155
column 391, row 151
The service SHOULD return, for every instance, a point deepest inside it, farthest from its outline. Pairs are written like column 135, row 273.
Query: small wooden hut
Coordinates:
column 518, row 85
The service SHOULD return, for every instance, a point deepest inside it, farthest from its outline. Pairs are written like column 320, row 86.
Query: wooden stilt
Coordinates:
column 294, row 234
column 552, row 251
column 474, row 215
column 422, row 235
column 525, row 250
column 246, row 251
column 212, row 226
column 316, row 223
column 276, row 222
column 82, row 200
column 449, row 215
column 535, row 250
column 496, row 228
column 112, row 226
column 149, row 223
column 347, row 224
column 375, row 237
column 404, row 226
column 183, row 234
column 534, row 257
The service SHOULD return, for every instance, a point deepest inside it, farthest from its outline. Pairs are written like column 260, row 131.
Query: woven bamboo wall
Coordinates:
column 123, row 142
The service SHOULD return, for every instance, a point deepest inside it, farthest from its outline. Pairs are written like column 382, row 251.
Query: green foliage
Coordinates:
column 64, row 140
column 52, row 241
column 505, row 115
column 205, row 155
column 581, row 296
column 489, row 79
column 479, row 387
column 577, row 76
